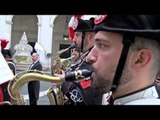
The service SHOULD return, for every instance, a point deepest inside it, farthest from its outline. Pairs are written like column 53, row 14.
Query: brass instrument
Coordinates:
column 5, row 103
column 55, row 95
column 24, row 77
column 61, row 64
column 20, row 79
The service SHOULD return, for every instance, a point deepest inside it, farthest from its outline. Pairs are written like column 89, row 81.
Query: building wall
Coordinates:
column 44, row 36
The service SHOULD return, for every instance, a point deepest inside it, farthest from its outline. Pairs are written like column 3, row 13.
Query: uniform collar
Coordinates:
column 149, row 92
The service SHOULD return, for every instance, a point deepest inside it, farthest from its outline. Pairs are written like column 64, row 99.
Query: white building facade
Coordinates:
column 47, row 30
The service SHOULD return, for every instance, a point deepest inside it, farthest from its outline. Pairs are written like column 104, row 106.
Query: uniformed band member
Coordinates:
column 125, row 59
column 81, row 33
column 8, row 55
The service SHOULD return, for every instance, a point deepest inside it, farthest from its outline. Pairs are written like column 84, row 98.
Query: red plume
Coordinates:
column 72, row 25
column 71, row 33
column 4, row 43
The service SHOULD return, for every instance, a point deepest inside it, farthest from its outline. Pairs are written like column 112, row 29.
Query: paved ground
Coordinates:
column 43, row 99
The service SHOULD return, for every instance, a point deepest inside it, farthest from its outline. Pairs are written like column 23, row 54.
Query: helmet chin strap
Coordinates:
column 83, row 36
column 128, row 39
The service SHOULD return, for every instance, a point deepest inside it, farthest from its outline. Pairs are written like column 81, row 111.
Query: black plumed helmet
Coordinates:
column 140, row 25
column 7, row 52
column 85, row 25
column 80, row 23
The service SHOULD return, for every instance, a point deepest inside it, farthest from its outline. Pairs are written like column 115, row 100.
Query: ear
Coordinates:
column 143, row 57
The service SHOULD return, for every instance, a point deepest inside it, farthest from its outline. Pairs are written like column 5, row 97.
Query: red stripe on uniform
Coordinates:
column 1, row 95
column 85, row 83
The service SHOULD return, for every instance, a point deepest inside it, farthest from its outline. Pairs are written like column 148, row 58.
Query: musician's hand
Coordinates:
column 62, row 75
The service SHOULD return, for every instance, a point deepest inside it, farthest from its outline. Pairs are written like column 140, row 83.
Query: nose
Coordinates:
column 91, row 57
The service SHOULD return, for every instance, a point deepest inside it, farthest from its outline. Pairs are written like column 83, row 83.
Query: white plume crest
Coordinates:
column 87, row 17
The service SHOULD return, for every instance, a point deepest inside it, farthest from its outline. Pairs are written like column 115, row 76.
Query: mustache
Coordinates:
column 90, row 67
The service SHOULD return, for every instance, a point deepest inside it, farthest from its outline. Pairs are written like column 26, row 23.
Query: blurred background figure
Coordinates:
column 34, row 86
column 7, row 54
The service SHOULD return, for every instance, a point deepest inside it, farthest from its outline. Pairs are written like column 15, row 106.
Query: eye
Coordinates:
column 101, row 45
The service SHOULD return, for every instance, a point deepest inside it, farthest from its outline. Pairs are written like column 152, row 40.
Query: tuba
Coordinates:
column 15, row 85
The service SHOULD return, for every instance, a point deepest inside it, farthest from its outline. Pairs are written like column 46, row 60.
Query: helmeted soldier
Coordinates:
column 81, row 33
column 7, row 54
column 125, row 59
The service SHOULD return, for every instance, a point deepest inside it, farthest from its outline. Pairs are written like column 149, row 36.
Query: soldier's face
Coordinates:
column 78, row 39
column 104, row 58
column 75, row 54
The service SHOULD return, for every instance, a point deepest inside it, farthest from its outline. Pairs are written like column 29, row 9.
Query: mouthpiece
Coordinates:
column 76, row 75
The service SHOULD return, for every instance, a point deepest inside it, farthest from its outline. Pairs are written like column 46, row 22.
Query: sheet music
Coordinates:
column 5, row 72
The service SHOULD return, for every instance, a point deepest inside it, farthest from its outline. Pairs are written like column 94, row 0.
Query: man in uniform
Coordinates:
column 125, row 59
column 8, row 55
column 82, row 34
